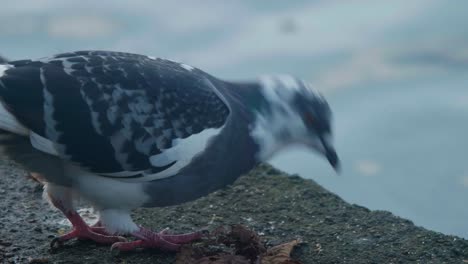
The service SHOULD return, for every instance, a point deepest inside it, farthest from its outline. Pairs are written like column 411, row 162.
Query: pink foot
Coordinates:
column 82, row 231
column 161, row 240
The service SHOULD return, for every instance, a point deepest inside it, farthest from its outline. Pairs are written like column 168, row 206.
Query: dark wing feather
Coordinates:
column 111, row 111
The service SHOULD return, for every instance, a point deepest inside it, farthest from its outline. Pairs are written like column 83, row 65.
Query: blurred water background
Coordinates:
column 395, row 73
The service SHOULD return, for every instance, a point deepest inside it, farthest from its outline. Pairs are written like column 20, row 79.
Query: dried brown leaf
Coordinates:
column 247, row 242
column 240, row 245
column 280, row 254
column 244, row 235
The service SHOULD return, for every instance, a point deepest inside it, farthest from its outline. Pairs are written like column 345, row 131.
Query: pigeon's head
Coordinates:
column 293, row 113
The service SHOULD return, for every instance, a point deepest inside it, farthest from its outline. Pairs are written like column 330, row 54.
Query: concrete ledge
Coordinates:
column 277, row 206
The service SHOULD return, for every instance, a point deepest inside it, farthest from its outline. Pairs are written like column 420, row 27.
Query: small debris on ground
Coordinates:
column 237, row 245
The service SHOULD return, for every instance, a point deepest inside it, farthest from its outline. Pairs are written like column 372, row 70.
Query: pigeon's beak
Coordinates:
column 330, row 153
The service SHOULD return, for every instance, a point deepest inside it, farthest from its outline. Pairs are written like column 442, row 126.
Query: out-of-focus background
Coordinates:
column 395, row 73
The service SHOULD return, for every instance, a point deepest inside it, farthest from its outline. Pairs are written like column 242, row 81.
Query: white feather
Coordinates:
column 117, row 221
column 58, row 195
column 121, row 173
column 183, row 152
column 3, row 68
column 187, row 67
column 43, row 144
column 106, row 192
column 51, row 131
column 278, row 91
column 9, row 122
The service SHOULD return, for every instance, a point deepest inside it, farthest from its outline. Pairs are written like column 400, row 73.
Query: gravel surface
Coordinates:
column 278, row 207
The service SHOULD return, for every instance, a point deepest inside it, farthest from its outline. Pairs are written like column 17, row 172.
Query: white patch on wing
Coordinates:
column 117, row 141
column 3, row 68
column 187, row 67
column 183, row 151
column 144, row 145
column 51, row 131
column 183, row 65
column 122, row 174
column 112, row 114
column 9, row 122
column 43, row 144
column 94, row 115
column 171, row 60
column 218, row 93
column 67, row 65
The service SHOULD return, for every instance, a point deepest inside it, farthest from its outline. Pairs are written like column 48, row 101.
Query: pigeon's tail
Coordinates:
column 11, row 131
column 3, row 60
column 8, row 121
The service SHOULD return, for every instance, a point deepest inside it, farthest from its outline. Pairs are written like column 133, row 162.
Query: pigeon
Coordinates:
column 124, row 131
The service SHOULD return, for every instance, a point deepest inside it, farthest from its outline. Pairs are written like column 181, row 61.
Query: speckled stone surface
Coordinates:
column 277, row 206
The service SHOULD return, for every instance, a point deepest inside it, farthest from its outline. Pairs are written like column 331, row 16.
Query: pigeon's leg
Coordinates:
column 162, row 240
column 61, row 198
column 99, row 228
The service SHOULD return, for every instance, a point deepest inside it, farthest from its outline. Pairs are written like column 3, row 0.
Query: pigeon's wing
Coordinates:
column 117, row 114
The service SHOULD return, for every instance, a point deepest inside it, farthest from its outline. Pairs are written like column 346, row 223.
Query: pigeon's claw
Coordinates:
column 97, row 235
column 82, row 231
column 161, row 240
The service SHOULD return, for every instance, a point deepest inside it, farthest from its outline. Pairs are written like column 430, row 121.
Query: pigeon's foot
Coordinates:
column 82, row 231
column 162, row 240
column 98, row 227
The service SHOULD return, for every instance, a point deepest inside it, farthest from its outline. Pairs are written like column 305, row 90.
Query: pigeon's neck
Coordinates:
column 233, row 153
column 247, row 97
column 264, row 129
